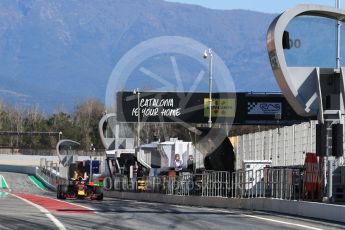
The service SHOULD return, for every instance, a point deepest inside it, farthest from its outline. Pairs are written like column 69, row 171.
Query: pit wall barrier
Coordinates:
column 31, row 170
column 36, row 160
column 330, row 212
column 279, row 190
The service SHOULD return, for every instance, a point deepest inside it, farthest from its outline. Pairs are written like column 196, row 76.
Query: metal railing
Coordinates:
column 50, row 178
column 282, row 183
column 208, row 183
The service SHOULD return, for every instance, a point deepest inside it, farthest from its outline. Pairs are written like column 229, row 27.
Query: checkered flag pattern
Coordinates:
column 251, row 105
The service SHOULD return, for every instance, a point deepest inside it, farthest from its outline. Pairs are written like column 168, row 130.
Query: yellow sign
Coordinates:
column 220, row 107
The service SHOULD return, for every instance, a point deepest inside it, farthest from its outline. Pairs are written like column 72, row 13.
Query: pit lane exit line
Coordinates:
column 43, row 210
column 54, row 205
column 3, row 183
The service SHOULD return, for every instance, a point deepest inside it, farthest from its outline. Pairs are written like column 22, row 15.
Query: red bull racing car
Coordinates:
column 80, row 189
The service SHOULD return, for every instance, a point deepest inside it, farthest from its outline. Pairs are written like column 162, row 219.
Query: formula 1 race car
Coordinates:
column 79, row 189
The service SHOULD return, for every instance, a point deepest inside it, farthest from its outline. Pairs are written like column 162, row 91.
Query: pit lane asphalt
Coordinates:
column 125, row 214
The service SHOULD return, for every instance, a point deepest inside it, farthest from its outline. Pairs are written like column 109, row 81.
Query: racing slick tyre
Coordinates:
column 99, row 197
column 61, row 191
column 99, row 193
column 58, row 192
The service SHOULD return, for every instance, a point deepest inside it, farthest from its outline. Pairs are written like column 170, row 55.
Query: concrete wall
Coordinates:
column 33, row 160
column 18, row 169
column 48, row 152
column 300, row 208
column 25, row 160
column 284, row 146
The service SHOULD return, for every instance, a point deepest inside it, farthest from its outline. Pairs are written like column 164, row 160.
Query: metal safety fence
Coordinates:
column 208, row 183
column 294, row 183
column 281, row 183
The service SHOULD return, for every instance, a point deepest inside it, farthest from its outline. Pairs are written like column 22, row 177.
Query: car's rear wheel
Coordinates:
column 99, row 193
column 60, row 194
column 99, row 196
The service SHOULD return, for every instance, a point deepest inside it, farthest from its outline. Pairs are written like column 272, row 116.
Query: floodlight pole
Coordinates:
column 328, row 164
column 137, row 92
column 338, row 38
column 60, row 133
column 209, row 54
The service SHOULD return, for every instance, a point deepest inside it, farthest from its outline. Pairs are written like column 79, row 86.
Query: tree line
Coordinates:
column 81, row 125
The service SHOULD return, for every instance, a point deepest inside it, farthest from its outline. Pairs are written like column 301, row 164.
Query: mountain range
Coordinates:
column 56, row 53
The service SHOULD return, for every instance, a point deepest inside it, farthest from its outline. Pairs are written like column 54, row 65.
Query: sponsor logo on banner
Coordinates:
column 220, row 107
column 264, row 108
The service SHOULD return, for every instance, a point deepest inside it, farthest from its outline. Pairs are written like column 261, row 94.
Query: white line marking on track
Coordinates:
column 283, row 222
column 56, row 221
column 246, row 215
column 269, row 219
column 45, row 211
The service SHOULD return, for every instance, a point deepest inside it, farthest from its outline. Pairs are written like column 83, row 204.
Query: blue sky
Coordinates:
column 268, row 6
